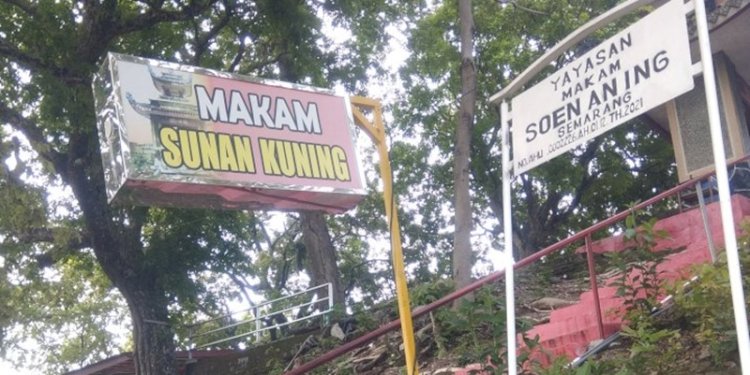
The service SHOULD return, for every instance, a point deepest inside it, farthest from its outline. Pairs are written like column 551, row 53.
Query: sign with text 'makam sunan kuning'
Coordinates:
column 637, row 69
column 183, row 136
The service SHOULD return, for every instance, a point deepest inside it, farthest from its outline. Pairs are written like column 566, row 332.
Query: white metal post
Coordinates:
column 510, row 297
column 258, row 325
column 706, row 224
column 330, row 296
column 727, row 220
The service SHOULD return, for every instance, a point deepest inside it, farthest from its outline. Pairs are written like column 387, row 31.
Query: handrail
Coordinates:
column 581, row 235
column 266, row 315
column 325, row 306
column 277, row 325
column 253, row 307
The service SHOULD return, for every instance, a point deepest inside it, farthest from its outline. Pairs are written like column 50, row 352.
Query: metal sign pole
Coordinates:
column 727, row 220
column 510, row 298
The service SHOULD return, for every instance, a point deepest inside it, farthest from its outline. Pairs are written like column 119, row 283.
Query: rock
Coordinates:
column 594, row 343
column 445, row 371
column 337, row 332
column 704, row 354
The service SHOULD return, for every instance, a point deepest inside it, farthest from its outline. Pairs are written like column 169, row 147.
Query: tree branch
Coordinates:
column 139, row 215
column 29, row 62
column 242, row 284
column 242, row 49
column 34, row 135
column 202, row 42
column 528, row 190
column 656, row 127
column 152, row 3
column 524, row 8
column 240, row 53
column 156, row 14
column 586, row 157
column 25, row 6
column 44, row 235
column 50, row 235
column 13, row 176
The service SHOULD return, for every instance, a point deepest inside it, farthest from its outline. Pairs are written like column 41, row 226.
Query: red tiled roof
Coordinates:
column 123, row 364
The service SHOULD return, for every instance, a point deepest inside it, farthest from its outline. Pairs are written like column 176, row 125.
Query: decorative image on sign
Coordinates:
column 639, row 68
column 191, row 137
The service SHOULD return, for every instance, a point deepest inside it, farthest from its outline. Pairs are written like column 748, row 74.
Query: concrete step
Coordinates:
column 572, row 328
column 609, row 306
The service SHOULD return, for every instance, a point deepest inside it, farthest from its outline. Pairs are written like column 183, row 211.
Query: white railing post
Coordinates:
column 330, row 296
column 258, row 324
column 258, row 314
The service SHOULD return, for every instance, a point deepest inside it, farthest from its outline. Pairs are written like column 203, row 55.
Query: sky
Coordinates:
column 7, row 368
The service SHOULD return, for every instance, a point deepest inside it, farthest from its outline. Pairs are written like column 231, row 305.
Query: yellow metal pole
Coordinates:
column 376, row 130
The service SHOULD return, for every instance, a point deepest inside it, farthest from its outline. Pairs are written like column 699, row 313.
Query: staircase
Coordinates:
column 573, row 328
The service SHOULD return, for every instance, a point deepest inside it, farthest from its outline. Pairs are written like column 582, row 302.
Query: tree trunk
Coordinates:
column 147, row 302
column 321, row 255
column 463, row 257
column 154, row 346
column 116, row 240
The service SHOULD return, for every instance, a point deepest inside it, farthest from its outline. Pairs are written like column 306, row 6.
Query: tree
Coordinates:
column 463, row 258
column 322, row 257
column 157, row 259
column 553, row 200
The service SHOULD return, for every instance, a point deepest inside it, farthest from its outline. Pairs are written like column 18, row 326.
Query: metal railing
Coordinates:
column 269, row 315
column 585, row 235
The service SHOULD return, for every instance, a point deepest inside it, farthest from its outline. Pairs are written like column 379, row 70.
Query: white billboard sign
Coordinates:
column 638, row 69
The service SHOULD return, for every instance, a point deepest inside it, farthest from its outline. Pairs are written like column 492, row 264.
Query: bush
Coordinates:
column 706, row 308
column 639, row 282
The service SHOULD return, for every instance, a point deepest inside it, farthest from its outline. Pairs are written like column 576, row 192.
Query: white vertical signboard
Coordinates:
column 637, row 69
